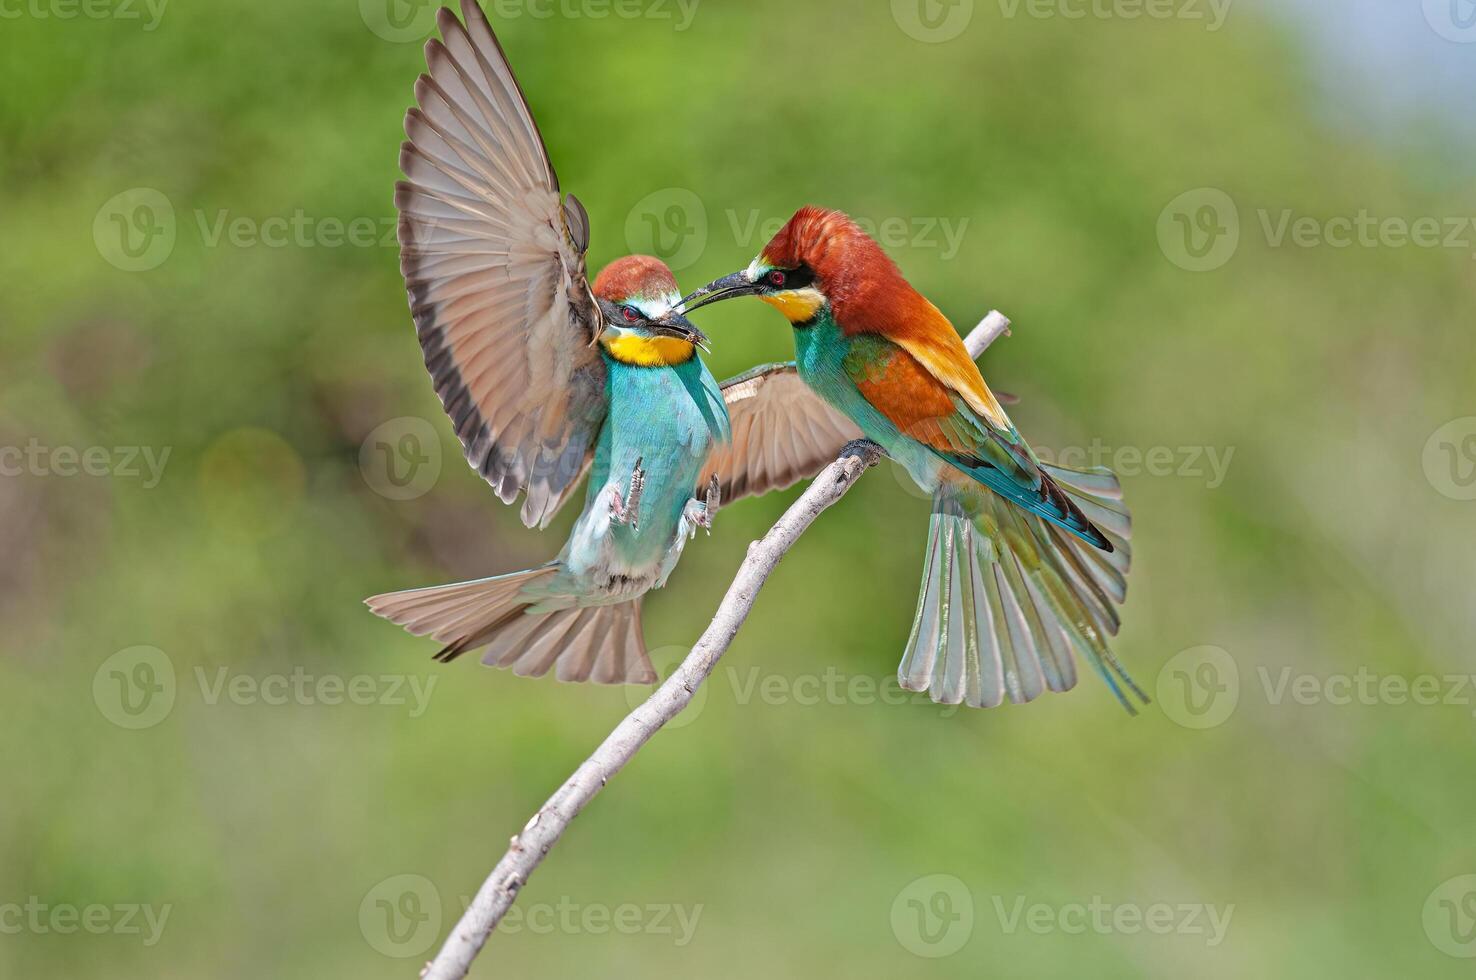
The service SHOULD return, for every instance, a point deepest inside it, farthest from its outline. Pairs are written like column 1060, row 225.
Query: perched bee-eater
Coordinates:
column 1024, row 561
column 546, row 379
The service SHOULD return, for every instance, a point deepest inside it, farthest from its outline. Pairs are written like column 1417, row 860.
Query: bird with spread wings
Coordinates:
column 549, row 379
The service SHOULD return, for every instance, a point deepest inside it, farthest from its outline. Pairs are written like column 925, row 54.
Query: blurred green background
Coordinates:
column 194, row 203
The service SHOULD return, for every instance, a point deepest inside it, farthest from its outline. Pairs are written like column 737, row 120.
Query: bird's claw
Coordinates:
column 710, row 503
column 627, row 509
column 865, row 450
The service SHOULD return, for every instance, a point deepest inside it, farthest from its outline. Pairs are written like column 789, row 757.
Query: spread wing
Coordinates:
column 495, row 267
column 932, row 391
column 782, row 433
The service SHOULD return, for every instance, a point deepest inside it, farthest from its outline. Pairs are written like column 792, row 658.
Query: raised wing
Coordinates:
column 495, row 268
column 934, row 394
column 782, row 433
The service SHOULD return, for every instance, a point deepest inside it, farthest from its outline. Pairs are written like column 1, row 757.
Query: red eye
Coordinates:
column 776, row 278
column 631, row 316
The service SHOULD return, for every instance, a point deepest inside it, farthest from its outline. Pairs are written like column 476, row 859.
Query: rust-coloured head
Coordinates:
column 820, row 259
column 638, row 298
column 642, row 277
column 829, row 244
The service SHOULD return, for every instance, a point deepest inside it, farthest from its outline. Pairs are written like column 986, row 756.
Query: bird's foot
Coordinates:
column 700, row 513
column 711, row 501
column 627, row 509
column 865, row 450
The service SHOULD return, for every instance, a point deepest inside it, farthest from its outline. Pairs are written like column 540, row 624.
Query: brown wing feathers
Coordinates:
column 494, row 266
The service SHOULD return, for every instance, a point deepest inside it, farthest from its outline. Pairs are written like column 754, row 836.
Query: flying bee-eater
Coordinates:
column 1025, row 562
column 547, row 378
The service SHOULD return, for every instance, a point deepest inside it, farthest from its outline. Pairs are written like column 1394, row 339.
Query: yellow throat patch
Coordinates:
column 798, row 305
column 648, row 351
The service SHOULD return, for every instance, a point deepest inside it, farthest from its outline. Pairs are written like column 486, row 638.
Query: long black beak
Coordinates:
column 728, row 287
column 673, row 324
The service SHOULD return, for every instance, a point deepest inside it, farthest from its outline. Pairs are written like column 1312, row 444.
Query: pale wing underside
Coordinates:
column 782, row 433
column 494, row 265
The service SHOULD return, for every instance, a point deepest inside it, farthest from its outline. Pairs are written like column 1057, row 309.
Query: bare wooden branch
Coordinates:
column 528, row 848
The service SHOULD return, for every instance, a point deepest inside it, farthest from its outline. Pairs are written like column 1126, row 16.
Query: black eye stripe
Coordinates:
column 797, row 278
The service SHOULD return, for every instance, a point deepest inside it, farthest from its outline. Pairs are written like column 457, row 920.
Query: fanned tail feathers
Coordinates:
column 1008, row 597
column 580, row 643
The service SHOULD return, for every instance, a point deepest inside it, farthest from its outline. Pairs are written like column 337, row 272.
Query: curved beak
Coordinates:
column 673, row 324
column 728, row 287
